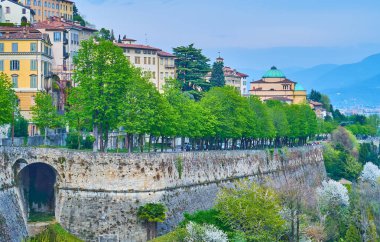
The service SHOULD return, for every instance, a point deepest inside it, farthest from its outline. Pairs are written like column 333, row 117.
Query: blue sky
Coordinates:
column 251, row 35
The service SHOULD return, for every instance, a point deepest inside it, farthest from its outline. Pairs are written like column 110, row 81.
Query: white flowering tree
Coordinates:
column 370, row 173
column 332, row 202
column 204, row 233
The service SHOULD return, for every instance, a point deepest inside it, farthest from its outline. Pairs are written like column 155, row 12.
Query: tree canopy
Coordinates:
column 192, row 67
column 7, row 100
column 217, row 75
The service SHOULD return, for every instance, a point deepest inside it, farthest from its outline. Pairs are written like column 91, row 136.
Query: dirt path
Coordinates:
column 36, row 228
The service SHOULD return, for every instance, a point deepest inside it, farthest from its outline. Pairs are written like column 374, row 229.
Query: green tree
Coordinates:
column 152, row 213
column 76, row 115
column 229, row 109
column 102, row 73
column 78, row 17
column 7, row 100
column 21, row 126
column 103, row 34
column 251, row 209
column 192, row 67
column 265, row 129
column 217, row 75
column 44, row 114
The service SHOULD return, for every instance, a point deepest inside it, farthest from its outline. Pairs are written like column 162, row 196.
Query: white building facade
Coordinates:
column 16, row 13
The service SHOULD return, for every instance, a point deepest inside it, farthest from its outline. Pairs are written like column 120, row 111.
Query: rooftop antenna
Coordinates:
column 219, row 53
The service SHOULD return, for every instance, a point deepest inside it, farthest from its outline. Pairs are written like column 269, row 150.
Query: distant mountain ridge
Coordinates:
column 348, row 84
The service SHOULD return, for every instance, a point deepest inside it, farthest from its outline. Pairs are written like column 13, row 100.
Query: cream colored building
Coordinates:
column 275, row 86
column 233, row 78
column 45, row 9
column 16, row 13
column 154, row 62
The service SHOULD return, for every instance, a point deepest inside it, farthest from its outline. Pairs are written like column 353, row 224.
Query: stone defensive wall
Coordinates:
column 96, row 195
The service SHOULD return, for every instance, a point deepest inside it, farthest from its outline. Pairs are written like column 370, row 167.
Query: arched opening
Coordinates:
column 24, row 20
column 37, row 188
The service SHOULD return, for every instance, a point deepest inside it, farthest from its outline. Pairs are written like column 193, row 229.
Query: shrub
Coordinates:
column 73, row 138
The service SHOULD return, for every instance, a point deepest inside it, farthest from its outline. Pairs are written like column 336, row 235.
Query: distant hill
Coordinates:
column 357, row 83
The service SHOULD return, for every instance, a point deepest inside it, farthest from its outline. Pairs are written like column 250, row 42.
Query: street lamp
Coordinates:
column 13, row 119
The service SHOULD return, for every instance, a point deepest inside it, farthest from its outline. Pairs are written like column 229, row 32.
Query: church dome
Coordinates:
column 274, row 73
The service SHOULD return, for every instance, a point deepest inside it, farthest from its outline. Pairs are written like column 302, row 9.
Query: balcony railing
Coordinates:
column 168, row 66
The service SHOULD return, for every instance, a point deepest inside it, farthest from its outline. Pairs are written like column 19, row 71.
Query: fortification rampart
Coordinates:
column 97, row 194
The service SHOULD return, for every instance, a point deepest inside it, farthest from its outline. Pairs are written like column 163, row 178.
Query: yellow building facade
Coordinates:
column 45, row 9
column 26, row 59
column 275, row 86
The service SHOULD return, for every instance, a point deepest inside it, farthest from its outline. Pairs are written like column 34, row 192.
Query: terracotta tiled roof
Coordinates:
column 56, row 23
column 25, row 35
column 6, row 29
column 241, row 74
column 314, row 103
column 165, row 54
column 137, row 46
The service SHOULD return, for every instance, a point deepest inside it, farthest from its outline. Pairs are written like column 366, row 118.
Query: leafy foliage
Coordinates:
column 217, row 75
column 192, row 67
column 7, row 100
column 152, row 212
column 251, row 209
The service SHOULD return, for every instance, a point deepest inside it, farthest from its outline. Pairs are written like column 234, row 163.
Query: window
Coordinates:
column 27, row 2
column 154, row 74
column 33, row 47
column 15, row 81
column 7, row 10
column 154, row 60
column 35, row 2
column 166, row 74
column 1, row 47
column 33, row 65
column 161, row 61
column 57, row 36
column 137, row 60
column 145, row 60
column 149, row 60
column 33, row 81
column 1, row 65
column 161, row 75
column 15, row 65
column 14, row 47
column 24, row 10
column 137, row 51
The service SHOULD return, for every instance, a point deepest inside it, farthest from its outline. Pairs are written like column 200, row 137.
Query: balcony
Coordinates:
column 168, row 66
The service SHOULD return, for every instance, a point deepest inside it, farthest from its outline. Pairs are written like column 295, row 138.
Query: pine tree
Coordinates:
column 119, row 40
column 217, row 75
column 112, row 36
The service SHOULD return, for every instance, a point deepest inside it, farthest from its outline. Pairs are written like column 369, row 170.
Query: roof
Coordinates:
column 7, row 29
column 128, row 39
column 165, row 54
column 315, row 104
column 298, row 87
column 282, row 81
column 274, row 73
column 241, row 74
column 136, row 46
column 55, row 23
column 25, row 35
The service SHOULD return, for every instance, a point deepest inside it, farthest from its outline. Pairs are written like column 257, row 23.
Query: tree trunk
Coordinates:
column 96, row 136
column 141, row 139
column 162, row 143
column 150, row 142
column 45, row 137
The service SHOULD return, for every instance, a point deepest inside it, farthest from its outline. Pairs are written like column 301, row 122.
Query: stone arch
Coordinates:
column 37, row 187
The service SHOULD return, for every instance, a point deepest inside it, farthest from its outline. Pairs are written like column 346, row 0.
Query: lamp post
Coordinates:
column 13, row 119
